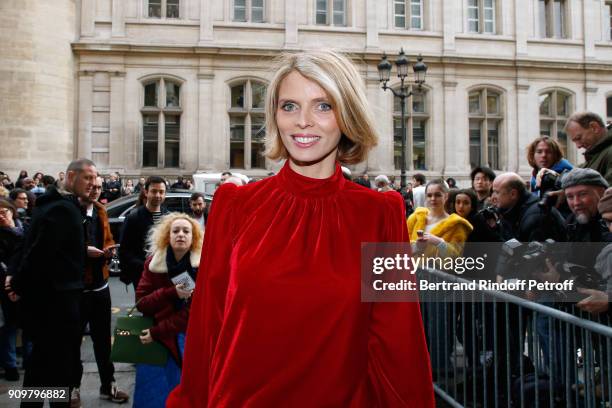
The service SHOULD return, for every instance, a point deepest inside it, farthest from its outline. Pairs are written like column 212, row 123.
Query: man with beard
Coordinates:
column 198, row 208
column 583, row 189
column 49, row 279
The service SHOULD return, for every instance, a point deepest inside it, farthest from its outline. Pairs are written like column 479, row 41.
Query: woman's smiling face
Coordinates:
column 306, row 121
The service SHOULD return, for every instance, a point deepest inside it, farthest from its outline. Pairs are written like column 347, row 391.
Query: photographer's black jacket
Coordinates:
column 54, row 251
column 594, row 232
column 527, row 222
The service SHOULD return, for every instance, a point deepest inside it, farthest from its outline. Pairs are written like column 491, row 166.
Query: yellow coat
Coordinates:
column 454, row 230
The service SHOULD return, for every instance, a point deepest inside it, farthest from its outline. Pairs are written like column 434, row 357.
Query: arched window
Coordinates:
column 555, row 107
column 417, row 117
column 161, row 123
column 247, row 125
column 485, row 116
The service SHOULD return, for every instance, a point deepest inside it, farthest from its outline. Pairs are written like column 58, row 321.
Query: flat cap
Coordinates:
column 583, row 177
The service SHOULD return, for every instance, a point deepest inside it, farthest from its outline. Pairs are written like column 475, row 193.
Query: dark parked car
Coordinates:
column 176, row 200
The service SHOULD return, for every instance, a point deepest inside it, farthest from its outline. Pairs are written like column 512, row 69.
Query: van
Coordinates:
column 207, row 182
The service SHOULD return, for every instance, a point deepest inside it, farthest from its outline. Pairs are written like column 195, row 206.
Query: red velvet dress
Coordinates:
column 277, row 319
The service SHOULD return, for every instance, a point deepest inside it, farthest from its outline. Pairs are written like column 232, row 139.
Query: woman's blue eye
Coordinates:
column 289, row 107
column 325, row 107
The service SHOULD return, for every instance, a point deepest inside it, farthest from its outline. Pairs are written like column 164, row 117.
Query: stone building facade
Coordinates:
column 176, row 86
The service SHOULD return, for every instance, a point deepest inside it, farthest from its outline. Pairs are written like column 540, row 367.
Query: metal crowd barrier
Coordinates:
column 494, row 349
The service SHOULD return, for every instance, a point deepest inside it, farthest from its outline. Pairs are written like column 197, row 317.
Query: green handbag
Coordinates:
column 127, row 347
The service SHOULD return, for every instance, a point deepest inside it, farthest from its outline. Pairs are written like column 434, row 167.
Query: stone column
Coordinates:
column 88, row 15
column 205, row 136
column 448, row 23
column 118, row 22
column 591, row 101
column 521, row 26
column 588, row 23
column 291, row 27
column 377, row 160
column 455, row 143
column 524, row 134
column 206, row 21
column 371, row 25
column 85, row 113
column 117, row 157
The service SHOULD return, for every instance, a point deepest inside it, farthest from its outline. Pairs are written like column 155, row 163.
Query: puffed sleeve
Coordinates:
column 208, row 303
column 398, row 364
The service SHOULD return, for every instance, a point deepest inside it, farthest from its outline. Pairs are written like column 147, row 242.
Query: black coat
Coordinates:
column 11, row 241
column 132, row 252
column 54, row 251
column 527, row 222
column 587, row 240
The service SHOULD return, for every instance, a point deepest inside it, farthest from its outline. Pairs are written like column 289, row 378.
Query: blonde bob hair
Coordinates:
column 159, row 236
column 344, row 86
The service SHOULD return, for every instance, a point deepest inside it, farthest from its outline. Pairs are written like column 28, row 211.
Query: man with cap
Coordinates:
column 597, row 300
column 583, row 189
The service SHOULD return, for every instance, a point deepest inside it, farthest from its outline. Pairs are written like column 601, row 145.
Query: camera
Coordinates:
column 489, row 213
column 550, row 182
column 519, row 260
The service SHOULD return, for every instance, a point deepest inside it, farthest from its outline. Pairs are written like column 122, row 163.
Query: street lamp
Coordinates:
column 384, row 72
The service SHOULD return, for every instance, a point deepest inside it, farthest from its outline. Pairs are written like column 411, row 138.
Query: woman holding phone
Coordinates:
column 277, row 317
column 175, row 245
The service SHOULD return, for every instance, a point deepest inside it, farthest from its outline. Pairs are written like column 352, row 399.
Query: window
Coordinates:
column 163, row 9
column 481, row 16
column 161, row 124
column 249, row 10
column 485, row 118
column 417, row 118
column 247, row 125
column 607, row 15
column 408, row 14
column 609, row 108
column 330, row 12
column 552, row 18
column 555, row 107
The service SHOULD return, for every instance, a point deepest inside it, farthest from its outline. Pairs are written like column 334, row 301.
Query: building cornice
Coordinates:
column 370, row 55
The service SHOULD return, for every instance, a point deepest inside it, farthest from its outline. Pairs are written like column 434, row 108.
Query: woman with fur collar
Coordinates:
column 433, row 231
column 175, row 244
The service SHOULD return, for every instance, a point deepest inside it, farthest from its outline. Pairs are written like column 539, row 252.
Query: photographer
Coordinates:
column 522, row 216
column 546, row 159
column 583, row 189
column 588, row 131
column 597, row 301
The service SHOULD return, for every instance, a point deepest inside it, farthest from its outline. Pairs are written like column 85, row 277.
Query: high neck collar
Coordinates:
column 310, row 187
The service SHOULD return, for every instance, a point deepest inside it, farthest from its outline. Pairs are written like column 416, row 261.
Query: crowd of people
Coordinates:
column 278, row 262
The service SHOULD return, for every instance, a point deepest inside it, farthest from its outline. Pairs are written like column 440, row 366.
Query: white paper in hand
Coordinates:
column 185, row 279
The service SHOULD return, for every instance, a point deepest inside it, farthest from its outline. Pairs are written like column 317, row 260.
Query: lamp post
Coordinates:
column 384, row 72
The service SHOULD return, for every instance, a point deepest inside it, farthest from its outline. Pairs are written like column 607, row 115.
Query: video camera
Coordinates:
column 519, row 260
column 524, row 261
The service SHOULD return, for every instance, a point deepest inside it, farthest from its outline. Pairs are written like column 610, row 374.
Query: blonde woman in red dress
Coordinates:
column 277, row 318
